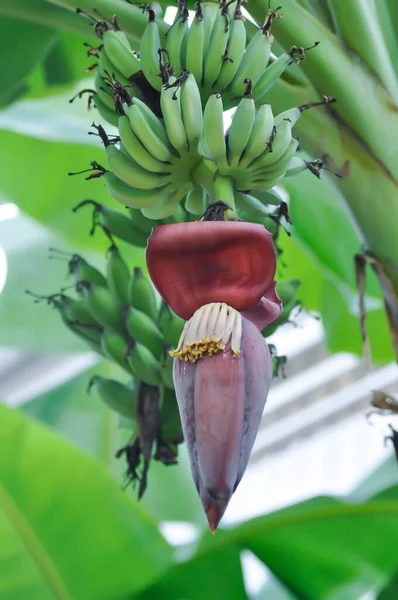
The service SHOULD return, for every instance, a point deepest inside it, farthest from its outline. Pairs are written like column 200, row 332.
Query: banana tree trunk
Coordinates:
column 358, row 136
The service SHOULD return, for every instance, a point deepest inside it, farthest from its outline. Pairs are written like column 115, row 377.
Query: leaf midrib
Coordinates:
column 34, row 546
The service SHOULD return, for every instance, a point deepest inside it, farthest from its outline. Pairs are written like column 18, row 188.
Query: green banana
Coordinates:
column 115, row 395
column 259, row 136
column 150, row 45
column 118, row 50
column 142, row 294
column 214, row 57
column 76, row 310
column 196, row 200
column 175, row 39
column 191, row 111
column 171, row 110
column 154, row 122
column 253, row 63
column 123, row 227
column 271, row 74
column 124, row 423
column 167, row 373
column 212, row 142
column 250, row 204
column 210, row 11
column 179, row 216
column 83, row 271
column 296, row 165
column 77, row 319
column 241, row 127
column 268, row 177
column 194, row 49
column 128, row 171
column 118, row 276
column 167, row 205
column 280, row 166
column 171, row 430
column 144, row 364
column 142, row 329
column 115, row 347
column 109, row 114
column 280, row 144
column 137, row 150
column 131, row 196
column 269, row 197
column 286, row 290
column 147, row 136
column 116, row 223
column 106, row 73
column 103, row 93
column 282, row 319
column 292, row 115
column 171, row 325
column 235, row 49
column 142, row 223
column 102, row 305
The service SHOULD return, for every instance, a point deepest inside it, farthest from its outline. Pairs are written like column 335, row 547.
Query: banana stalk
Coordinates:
column 367, row 185
column 130, row 18
column 42, row 12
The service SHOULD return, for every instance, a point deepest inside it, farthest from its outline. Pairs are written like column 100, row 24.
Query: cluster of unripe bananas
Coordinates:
column 168, row 104
column 119, row 316
column 171, row 161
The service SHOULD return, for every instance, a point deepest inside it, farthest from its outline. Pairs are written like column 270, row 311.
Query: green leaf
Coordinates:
column 383, row 477
column 318, row 213
column 82, row 417
column 53, row 119
column 322, row 548
column 390, row 592
column 67, row 529
column 319, row 549
column 323, row 286
column 274, row 590
column 342, row 327
column 358, row 27
column 41, row 12
column 211, row 575
column 23, row 46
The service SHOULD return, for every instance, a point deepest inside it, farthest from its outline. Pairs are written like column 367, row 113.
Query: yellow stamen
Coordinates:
column 209, row 331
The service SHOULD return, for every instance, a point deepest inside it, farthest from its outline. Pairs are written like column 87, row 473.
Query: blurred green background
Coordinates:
column 302, row 524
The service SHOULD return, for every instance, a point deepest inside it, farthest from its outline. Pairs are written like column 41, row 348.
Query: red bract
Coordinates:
column 221, row 400
column 193, row 264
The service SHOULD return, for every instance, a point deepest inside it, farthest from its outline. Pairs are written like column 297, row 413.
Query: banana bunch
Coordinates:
column 286, row 291
column 151, row 169
column 257, row 150
column 215, row 50
column 118, row 315
column 117, row 69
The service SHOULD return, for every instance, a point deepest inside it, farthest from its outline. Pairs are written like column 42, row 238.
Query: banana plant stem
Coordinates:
column 223, row 189
column 43, row 13
column 130, row 18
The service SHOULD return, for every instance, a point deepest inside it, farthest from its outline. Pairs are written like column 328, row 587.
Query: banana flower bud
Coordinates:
column 219, row 276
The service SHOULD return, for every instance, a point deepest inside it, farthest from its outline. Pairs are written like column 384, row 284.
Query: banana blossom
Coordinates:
column 219, row 277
